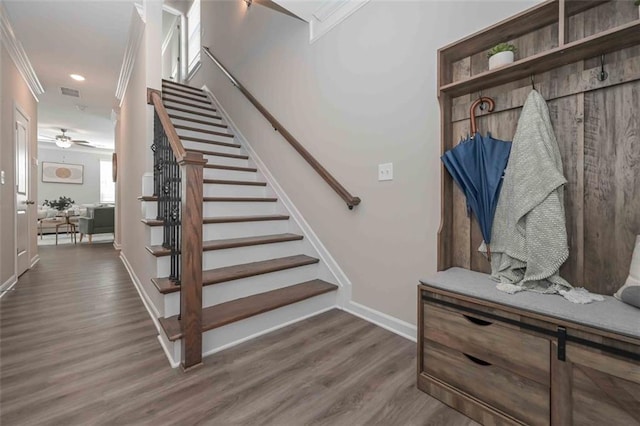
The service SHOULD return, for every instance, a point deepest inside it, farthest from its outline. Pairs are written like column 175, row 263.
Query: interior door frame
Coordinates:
column 182, row 21
column 17, row 109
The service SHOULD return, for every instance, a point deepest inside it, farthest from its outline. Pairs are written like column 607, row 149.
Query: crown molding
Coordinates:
column 18, row 55
column 136, row 31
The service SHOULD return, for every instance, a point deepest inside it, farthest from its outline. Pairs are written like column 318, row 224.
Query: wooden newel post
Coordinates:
column 191, row 166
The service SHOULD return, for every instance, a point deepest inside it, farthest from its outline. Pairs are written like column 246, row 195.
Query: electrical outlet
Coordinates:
column 2, row 177
column 385, row 171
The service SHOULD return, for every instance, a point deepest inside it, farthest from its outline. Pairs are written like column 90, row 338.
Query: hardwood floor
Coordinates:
column 77, row 347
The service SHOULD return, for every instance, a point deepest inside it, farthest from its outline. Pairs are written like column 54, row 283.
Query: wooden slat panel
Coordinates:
column 612, row 185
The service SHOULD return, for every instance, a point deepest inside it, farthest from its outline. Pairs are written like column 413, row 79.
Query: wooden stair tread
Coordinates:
column 210, row 142
column 220, row 199
column 178, row 101
column 226, row 219
column 180, row 86
column 246, row 307
column 175, row 91
column 236, row 272
column 225, row 167
column 234, row 182
column 203, row 114
column 178, row 97
column 220, row 154
column 159, row 251
column 237, row 219
column 195, row 120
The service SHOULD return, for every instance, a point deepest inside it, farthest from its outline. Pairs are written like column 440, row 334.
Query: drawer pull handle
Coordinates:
column 477, row 360
column 477, row 321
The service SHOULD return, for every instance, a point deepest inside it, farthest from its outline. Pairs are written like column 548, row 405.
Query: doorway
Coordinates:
column 23, row 228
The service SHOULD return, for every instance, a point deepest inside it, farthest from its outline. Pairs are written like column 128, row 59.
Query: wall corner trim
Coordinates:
column 136, row 31
column 344, row 293
column 18, row 54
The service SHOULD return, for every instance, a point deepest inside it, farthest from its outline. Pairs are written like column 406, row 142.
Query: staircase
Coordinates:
column 259, row 272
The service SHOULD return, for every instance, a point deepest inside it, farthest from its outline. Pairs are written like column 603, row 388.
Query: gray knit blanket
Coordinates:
column 529, row 236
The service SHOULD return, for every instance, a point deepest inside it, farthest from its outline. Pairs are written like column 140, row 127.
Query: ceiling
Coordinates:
column 63, row 37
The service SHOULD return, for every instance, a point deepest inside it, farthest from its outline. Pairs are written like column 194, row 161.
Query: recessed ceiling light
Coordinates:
column 77, row 77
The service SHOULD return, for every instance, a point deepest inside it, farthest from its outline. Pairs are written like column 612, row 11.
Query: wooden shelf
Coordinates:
column 601, row 43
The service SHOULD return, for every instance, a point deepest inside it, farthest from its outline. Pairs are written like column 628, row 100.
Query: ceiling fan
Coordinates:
column 64, row 141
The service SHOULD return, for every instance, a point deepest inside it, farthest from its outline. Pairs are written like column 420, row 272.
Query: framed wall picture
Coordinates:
column 62, row 173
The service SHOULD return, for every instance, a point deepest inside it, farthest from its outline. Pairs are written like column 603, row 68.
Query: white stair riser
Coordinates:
column 204, row 135
column 220, row 231
column 230, row 174
column 241, row 331
column 203, row 146
column 200, row 108
column 195, row 116
column 233, row 208
column 150, row 209
column 224, row 292
column 209, row 126
column 228, row 257
column 227, row 336
column 222, row 190
column 226, row 161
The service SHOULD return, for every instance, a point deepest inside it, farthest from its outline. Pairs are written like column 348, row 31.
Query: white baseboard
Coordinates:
column 34, row 261
column 167, row 352
column 117, row 246
column 344, row 293
column 267, row 331
column 393, row 324
column 8, row 285
column 151, row 309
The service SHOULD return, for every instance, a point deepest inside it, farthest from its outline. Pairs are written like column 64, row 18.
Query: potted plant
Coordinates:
column 501, row 55
column 61, row 204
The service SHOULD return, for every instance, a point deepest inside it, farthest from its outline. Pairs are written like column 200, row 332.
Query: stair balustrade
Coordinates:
column 178, row 186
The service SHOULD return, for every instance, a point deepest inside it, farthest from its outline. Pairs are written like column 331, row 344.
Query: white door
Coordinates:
column 21, row 130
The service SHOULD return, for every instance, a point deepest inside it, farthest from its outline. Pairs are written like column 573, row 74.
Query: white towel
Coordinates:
column 529, row 236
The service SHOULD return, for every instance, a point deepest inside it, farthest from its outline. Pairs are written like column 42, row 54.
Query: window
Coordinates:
column 193, row 48
column 107, row 187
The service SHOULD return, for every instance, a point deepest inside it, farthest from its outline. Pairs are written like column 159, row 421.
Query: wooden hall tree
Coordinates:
column 478, row 355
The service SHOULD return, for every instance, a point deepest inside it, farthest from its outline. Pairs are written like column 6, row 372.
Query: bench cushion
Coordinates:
column 610, row 315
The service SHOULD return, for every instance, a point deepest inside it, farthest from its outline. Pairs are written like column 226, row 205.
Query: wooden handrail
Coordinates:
column 154, row 97
column 324, row 174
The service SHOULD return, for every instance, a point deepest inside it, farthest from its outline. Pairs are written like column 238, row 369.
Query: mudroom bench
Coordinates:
column 527, row 358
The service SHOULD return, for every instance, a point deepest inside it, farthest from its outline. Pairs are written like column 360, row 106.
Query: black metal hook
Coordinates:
column 483, row 104
column 603, row 75
column 533, row 83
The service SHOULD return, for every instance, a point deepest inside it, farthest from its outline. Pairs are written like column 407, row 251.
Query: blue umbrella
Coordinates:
column 477, row 166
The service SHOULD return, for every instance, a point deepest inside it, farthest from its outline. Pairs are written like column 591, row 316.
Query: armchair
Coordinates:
column 99, row 220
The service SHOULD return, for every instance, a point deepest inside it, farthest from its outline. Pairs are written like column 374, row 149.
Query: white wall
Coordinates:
column 86, row 193
column 363, row 94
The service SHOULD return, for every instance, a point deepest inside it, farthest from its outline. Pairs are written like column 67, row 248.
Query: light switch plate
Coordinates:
column 385, row 171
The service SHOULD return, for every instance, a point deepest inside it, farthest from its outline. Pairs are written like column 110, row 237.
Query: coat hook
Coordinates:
column 483, row 104
column 603, row 75
column 533, row 83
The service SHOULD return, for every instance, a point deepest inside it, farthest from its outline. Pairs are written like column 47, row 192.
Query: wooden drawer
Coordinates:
column 503, row 346
column 517, row 396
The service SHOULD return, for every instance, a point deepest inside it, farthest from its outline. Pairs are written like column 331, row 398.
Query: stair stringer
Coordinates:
column 326, row 259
